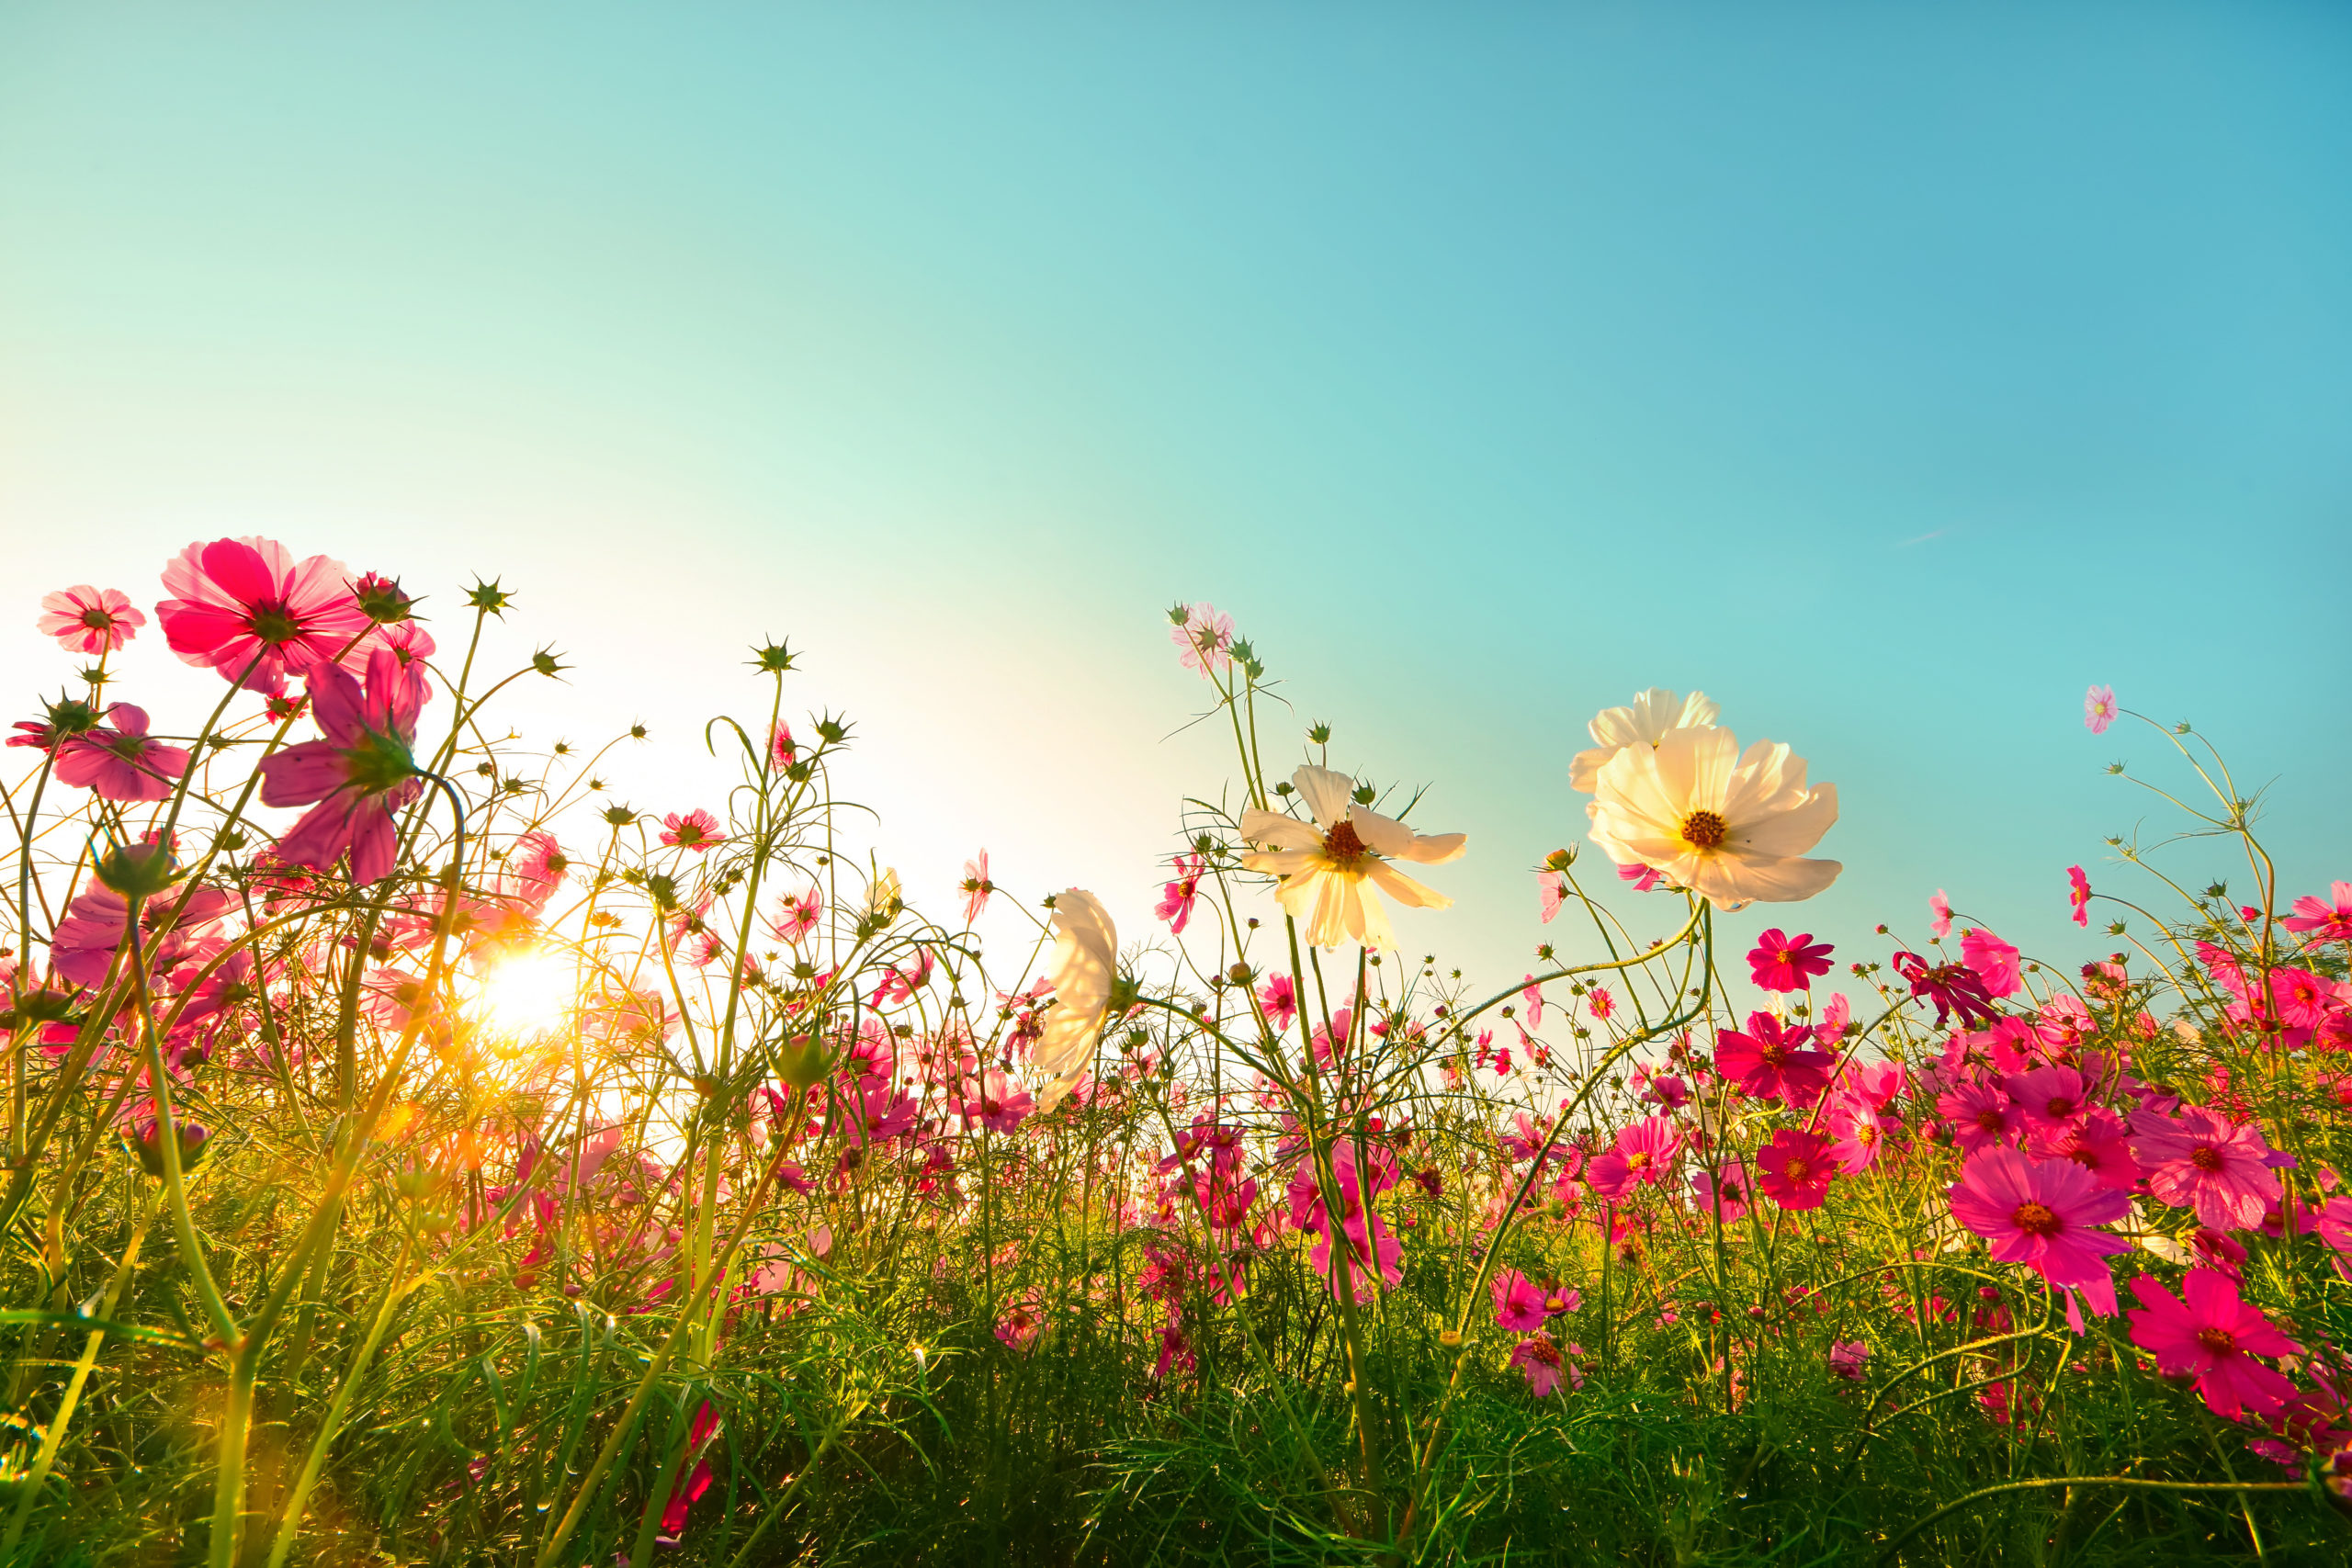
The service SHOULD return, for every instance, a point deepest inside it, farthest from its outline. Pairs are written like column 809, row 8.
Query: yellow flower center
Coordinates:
column 2035, row 1219
column 1342, row 848
column 1703, row 830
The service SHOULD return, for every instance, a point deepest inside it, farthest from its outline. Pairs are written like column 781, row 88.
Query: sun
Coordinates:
column 529, row 991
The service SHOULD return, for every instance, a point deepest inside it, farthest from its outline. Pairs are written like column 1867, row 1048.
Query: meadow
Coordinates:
column 475, row 1168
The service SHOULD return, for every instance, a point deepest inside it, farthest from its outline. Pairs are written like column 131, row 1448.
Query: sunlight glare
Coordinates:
column 529, row 992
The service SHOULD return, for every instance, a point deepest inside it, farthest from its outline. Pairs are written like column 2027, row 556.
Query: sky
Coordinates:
column 1889, row 372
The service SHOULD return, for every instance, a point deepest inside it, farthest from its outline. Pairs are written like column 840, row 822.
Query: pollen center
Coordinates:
column 2221, row 1341
column 1703, row 830
column 2206, row 1158
column 1341, row 847
column 2035, row 1219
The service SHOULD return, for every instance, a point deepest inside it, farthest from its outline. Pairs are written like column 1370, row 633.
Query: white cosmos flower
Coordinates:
column 1702, row 816
column 1654, row 713
column 1325, row 864
column 1086, row 953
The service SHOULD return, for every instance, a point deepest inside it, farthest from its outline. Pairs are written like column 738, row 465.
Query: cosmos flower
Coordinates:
column 1783, row 963
column 1995, row 960
column 1724, row 1191
column 1645, row 723
column 1794, row 1169
column 243, row 605
column 800, row 916
column 1729, row 827
column 1519, row 1305
column 2042, row 1213
column 1177, row 898
column 2328, row 919
column 1772, row 1060
column 1642, row 1155
column 2208, row 1334
column 2078, row 895
column 2098, row 710
column 358, row 776
column 1279, row 997
column 1086, row 953
column 696, row 829
column 1940, row 916
column 121, row 762
column 2205, row 1162
column 1848, row 1358
column 1203, row 638
column 1541, row 1362
column 89, row 620
column 976, row 886
column 1325, row 865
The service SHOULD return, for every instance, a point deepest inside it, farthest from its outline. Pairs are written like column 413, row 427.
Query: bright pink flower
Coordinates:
column 538, row 865
column 1995, row 960
column 359, row 775
column 2302, row 1000
column 2096, row 1144
column 1519, row 1305
column 782, row 751
column 691, row 1486
column 1550, row 892
column 1953, row 988
column 1177, row 898
column 1559, row 1300
column 1794, row 1169
column 1725, row 1191
column 1019, row 1325
column 1940, row 916
column 1643, row 877
column 1599, row 1003
column 1203, row 638
column 696, row 829
column 1279, row 998
column 121, row 764
column 2209, row 1333
column 1532, row 996
column 2042, row 1213
column 1642, row 1154
column 1858, row 1132
column 244, row 604
column 995, row 1101
column 1540, row 1362
column 1772, row 1060
column 1848, row 1358
column 2078, row 894
column 2052, row 1098
column 800, row 916
column 976, row 886
column 89, row 620
column 2324, row 920
column 1783, row 963
column 1981, row 1116
column 2205, row 1162
column 2098, row 710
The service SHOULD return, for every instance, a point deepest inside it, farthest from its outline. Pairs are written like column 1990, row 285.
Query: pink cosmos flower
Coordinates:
column 1642, row 1155
column 2098, row 710
column 1559, row 1299
column 976, row 886
column 995, row 1101
column 1177, row 898
column 359, row 775
column 1940, row 916
column 1953, row 988
column 2054, row 1100
column 1540, row 1362
column 1204, row 636
column 173, row 928
column 1981, row 1116
column 1550, row 893
column 1858, row 1132
column 1643, row 877
column 89, row 620
column 2209, row 1333
column 1848, row 1358
column 1532, row 996
column 696, row 829
column 691, row 1486
column 1724, row 1191
column 800, row 916
column 121, row 764
column 1279, row 997
column 2324, row 920
column 2079, row 895
column 1770, row 1060
column 2206, row 1163
column 1599, row 1003
column 538, row 865
column 1995, row 960
column 2042, row 1213
column 782, row 751
column 246, row 604
column 1519, row 1305
column 2301, row 998
column 1783, row 963
column 1019, row 1326
column 2097, row 1144
column 1794, row 1169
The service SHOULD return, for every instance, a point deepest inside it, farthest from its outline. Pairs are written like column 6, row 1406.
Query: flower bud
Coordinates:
column 803, row 1061
column 382, row 598
column 137, row 871
column 149, row 1146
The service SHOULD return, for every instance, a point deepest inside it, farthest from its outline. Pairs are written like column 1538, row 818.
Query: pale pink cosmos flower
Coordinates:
column 359, row 776
column 2042, row 1213
column 2206, row 1163
column 1532, row 995
column 1599, row 1003
column 89, row 620
column 1550, row 893
column 1540, row 1362
column 121, row 762
column 696, row 829
column 1177, row 898
column 1641, row 876
column 2078, row 894
column 994, row 1101
column 2328, row 919
column 800, row 916
column 1995, row 960
column 1794, row 1169
column 2210, row 1334
column 976, row 886
column 539, row 866
column 1019, row 1325
column 1519, row 1305
column 1279, row 997
column 1203, row 638
column 1940, row 916
column 1848, row 1358
column 247, row 609
column 2098, row 710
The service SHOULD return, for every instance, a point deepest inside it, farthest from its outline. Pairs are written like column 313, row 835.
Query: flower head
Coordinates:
column 121, row 762
column 1642, row 1156
column 2042, row 1213
column 1794, row 1169
column 1519, row 1305
column 1645, row 723
column 1848, row 1358
column 1953, row 988
column 1783, row 962
column 360, row 775
column 1086, row 953
column 976, row 886
column 2208, row 1334
column 2328, row 919
column 2206, row 1162
column 1940, row 916
column 1772, row 1060
column 2098, row 710
column 1995, row 960
column 1325, row 865
column 1203, row 638
column 696, row 829
column 1541, row 1362
column 1279, row 997
column 246, row 608
column 2078, row 894
column 89, row 620
column 1728, row 826
column 1176, row 898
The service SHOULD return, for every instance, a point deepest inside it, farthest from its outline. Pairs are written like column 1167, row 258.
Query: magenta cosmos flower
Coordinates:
column 696, row 829
column 2099, row 709
column 361, row 774
column 1770, row 1060
column 2323, row 920
column 246, row 608
column 1723, row 1191
column 1519, row 1305
column 1177, row 898
column 1794, row 1169
column 1784, row 962
column 2042, row 1213
column 2210, row 1334
column 1642, row 1153
column 2205, row 1162
column 121, row 764
column 89, row 620
column 2078, row 895
column 1541, row 1362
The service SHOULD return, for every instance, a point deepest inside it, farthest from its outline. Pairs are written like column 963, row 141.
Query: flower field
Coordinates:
column 417, row 1155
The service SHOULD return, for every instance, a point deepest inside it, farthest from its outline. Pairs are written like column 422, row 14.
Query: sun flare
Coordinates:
column 529, row 992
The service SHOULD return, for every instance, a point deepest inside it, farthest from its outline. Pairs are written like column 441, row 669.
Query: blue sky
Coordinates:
column 1891, row 372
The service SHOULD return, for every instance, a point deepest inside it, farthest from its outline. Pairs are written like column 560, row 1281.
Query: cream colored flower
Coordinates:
column 1654, row 713
column 1325, row 864
column 1702, row 816
column 1086, row 955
